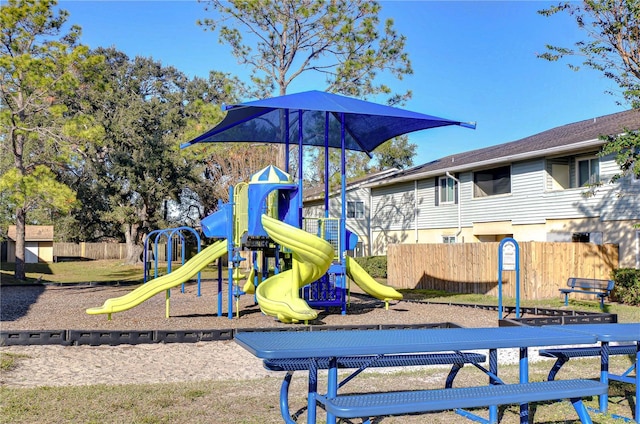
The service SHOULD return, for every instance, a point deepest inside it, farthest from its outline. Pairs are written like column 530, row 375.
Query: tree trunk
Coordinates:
column 281, row 156
column 281, row 161
column 21, row 211
column 20, row 236
column 133, row 249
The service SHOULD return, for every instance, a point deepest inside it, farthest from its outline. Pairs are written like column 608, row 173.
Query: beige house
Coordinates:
column 38, row 244
column 533, row 189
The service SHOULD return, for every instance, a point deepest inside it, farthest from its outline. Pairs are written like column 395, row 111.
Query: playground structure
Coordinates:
column 298, row 264
column 260, row 217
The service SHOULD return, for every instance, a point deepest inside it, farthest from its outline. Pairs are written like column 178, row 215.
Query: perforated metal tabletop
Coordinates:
column 273, row 345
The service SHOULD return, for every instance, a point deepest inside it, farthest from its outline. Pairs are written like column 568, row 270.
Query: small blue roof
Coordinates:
column 367, row 124
column 271, row 174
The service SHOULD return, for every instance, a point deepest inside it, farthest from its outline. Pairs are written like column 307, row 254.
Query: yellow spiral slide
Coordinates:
column 165, row 282
column 279, row 296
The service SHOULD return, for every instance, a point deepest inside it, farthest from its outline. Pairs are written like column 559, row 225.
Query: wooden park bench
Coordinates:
column 599, row 288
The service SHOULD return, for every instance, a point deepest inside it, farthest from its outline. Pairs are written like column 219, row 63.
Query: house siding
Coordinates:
column 527, row 212
column 393, row 208
column 358, row 226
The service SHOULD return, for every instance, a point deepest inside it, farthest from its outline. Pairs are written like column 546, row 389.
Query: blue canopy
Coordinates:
column 307, row 114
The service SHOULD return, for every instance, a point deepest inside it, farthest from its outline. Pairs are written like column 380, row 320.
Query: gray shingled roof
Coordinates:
column 569, row 136
column 317, row 193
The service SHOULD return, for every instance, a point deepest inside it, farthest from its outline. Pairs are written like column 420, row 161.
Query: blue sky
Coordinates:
column 472, row 61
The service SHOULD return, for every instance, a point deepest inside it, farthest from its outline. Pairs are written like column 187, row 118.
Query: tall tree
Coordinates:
column 612, row 47
column 219, row 166
column 40, row 69
column 138, row 165
column 339, row 39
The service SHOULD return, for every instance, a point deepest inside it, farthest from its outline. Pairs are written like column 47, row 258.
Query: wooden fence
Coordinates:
column 90, row 250
column 473, row 267
column 96, row 251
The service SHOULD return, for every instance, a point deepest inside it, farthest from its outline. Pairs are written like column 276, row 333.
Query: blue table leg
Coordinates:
column 284, row 398
column 637, row 416
column 524, row 378
column 493, row 367
column 332, row 385
column 313, row 391
column 604, row 375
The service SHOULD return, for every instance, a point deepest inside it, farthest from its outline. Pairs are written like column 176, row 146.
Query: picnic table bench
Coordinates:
column 599, row 288
column 563, row 355
column 456, row 359
column 407, row 402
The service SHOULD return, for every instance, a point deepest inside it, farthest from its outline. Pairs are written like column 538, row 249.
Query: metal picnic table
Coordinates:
column 333, row 344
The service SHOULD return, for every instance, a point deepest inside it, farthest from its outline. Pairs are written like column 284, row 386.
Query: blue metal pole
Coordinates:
column 500, row 283
column 524, row 378
column 170, row 253
column 220, row 286
column 155, row 268
column 493, row 368
column 326, row 164
column 286, row 138
column 144, row 259
column 517, row 279
column 199, row 247
column 183, row 245
column 300, row 166
column 146, row 254
column 343, row 215
column 230, row 247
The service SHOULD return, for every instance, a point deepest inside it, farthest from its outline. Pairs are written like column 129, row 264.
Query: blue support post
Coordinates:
column 341, row 279
column 230, row 246
column 326, row 164
column 300, row 162
column 220, row 286
column 286, row 139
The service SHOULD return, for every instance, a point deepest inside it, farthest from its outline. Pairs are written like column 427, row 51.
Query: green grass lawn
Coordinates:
column 101, row 271
column 256, row 401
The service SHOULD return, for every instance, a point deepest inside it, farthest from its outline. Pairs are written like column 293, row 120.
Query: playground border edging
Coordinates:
column 133, row 337
column 550, row 316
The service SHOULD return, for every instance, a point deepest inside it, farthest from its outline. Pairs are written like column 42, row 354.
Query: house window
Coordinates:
column 491, row 182
column 560, row 179
column 595, row 237
column 448, row 239
column 588, row 171
column 580, row 237
column 447, row 190
column 355, row 210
